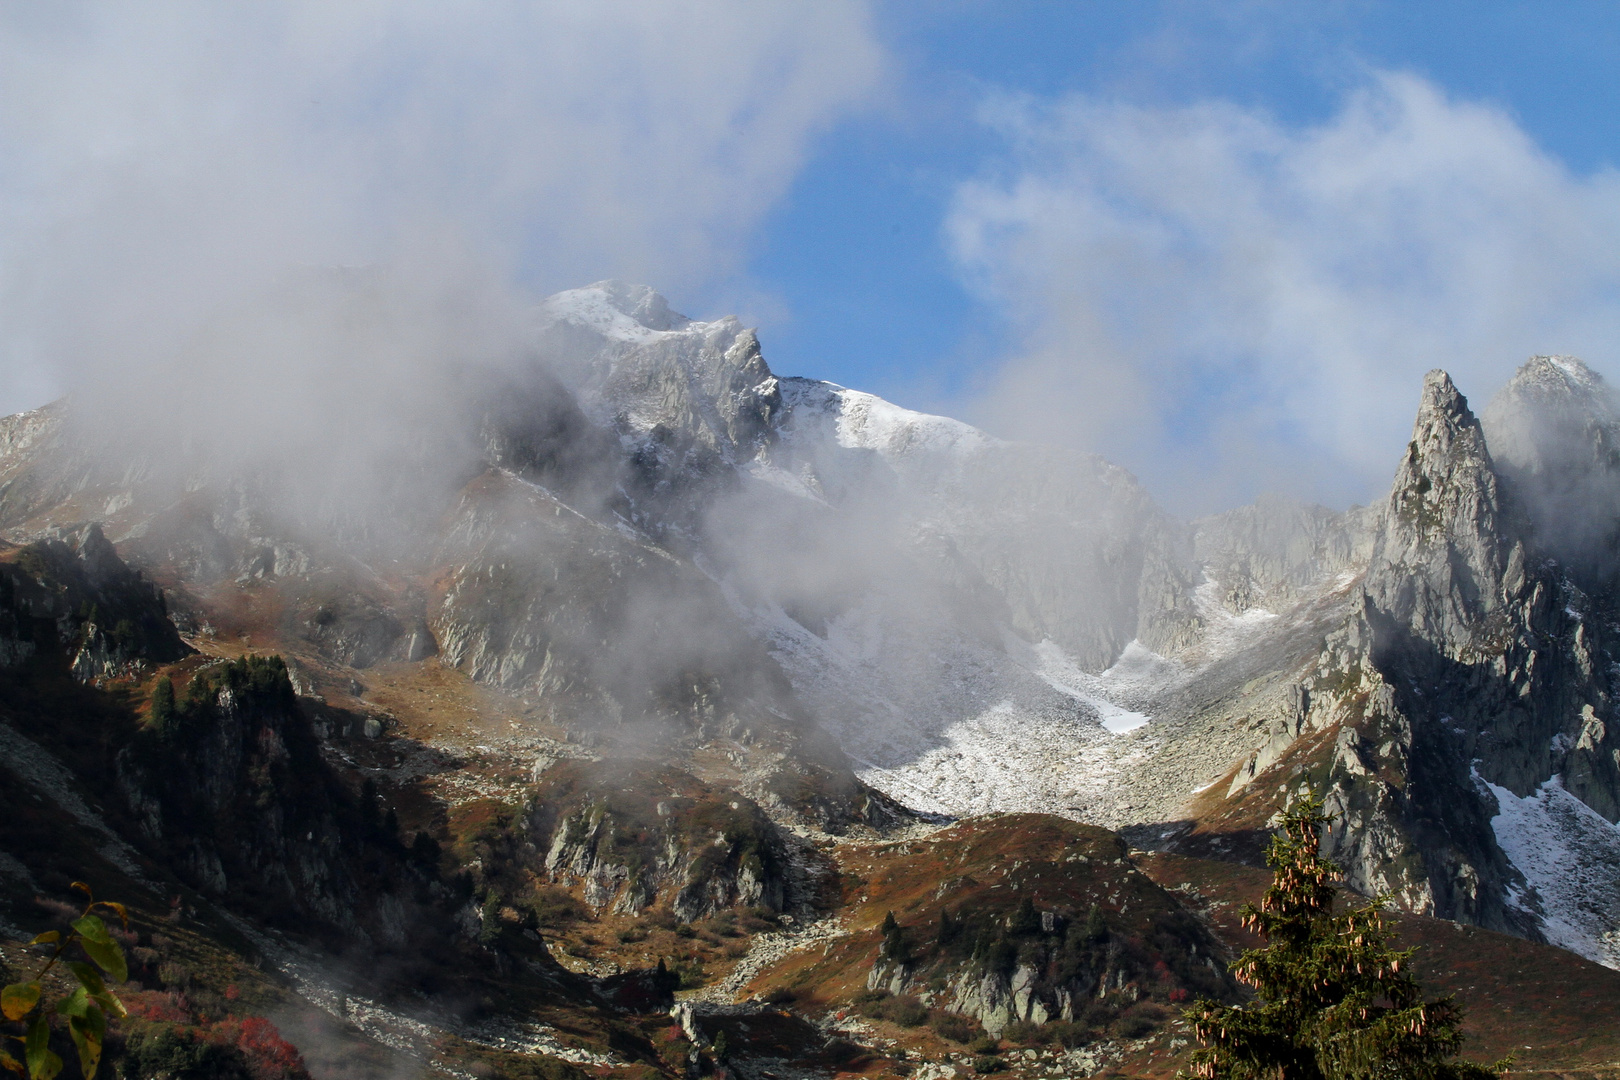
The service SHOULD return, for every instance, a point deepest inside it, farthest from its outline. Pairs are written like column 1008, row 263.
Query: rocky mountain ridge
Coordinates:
column 838, row 609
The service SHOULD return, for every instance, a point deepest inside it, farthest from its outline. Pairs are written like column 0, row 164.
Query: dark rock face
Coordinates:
column 234, row 788
column 72, row 591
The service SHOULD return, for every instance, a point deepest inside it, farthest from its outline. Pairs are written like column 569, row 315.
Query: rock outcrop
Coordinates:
column 1477, row 662
column 70, row 594
column 1276, row 551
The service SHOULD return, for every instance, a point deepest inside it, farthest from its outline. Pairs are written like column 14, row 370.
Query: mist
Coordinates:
column 180, row 176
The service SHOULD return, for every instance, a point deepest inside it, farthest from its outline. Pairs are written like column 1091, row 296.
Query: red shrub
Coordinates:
column 269, row 1056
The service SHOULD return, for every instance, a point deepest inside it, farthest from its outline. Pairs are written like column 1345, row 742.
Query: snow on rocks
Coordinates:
column 1569, row 855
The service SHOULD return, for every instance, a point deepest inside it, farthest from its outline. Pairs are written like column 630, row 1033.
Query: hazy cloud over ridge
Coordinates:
column 165, row 162
column 1227, row 305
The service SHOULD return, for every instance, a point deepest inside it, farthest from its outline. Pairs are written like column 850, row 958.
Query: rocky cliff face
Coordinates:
column 1276, row 552
column 231, row 784
column 1450, row 553
column 1069, row 547
column 662, row 841
column 71, row 592
column 1474, row 672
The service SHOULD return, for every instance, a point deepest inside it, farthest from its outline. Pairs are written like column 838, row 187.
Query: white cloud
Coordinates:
column 160, row 162
column 1228, row 305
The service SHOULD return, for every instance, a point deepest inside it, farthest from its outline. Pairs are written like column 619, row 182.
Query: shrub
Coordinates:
column 161, row 714
column 1027, row 1033
column 1070, row 1034
column 170, row 1052
column 987, row 1044
column 955, row 1027
column 905, row 1010
column 987, row 1064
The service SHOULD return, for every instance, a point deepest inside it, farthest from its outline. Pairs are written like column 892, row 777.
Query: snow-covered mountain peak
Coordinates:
column 868, row 422
column 616, row 309
column 862, row 421
column 1566, row 374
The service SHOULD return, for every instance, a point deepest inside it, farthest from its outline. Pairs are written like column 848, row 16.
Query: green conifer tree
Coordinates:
column 161, row 714
column 1333, row 1000
column 894, row 945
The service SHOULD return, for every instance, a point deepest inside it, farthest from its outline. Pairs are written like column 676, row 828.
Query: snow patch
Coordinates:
column 1569, row 855
column 867, row 422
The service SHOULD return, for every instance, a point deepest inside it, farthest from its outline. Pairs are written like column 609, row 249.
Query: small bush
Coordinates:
column 780, row 995
column 1098, row 1014
column 1143, row 1020
column 987, row 1044
column 179, row 1054
column 955, row 1027
column 987, row 1064
column 905, row 1010
column 631, row 935
column 555, row 908
column 757, row 920
column 1070, row 1034
column 690, row 973
column 1027, row 1033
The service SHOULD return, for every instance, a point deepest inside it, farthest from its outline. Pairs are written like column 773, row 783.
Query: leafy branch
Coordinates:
column 86, row 1009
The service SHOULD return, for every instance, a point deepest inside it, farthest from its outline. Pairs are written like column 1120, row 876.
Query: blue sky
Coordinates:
column 856, row 246
column 1217, row 243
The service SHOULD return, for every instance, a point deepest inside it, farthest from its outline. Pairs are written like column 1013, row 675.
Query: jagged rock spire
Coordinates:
column 1449, row 553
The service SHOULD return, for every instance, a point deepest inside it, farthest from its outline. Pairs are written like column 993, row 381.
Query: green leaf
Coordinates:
column 19, row 999
column 108, row 956
column 91, row 928
column 43, row 1064
column 75, row 1003
column 88, row 1031
column 49, row 937
column 88, row 977
column 110, row 1004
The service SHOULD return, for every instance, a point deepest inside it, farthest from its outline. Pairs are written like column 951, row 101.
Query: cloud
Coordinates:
column 166, row 162
column 1228, row 305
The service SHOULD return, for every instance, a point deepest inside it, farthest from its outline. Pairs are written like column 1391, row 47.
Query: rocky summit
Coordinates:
column 649, row 713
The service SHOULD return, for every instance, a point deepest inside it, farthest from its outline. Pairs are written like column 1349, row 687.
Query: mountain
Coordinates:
column 633, row 651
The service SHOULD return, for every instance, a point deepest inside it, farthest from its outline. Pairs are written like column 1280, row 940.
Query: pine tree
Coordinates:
column 1333, row 1000
column 894, row 945
column 161, row 713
